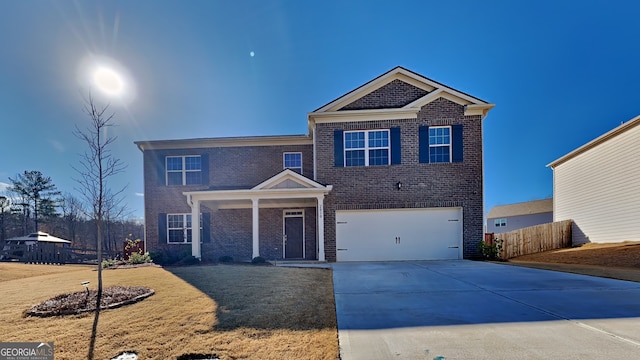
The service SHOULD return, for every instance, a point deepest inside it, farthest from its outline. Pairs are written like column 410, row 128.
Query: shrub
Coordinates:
column 136, row 258
column 491, row 250
column 132, row 247
column 167, row 257
column 158, row 257
column 225, row 259
column 258, row 260
column 107, row 263
column 188, row 260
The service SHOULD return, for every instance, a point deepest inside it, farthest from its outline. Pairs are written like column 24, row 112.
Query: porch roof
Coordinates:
column 284, row 186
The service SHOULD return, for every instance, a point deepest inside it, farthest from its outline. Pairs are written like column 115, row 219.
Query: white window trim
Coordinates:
column 184, row 170
column 500, row 222
column 184, row 229
column 450, row 144
column 284, row 166
column 366, row 147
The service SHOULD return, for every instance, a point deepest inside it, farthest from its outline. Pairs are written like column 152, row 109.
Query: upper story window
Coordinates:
column 440, row 144
column 500, row 222
column 293, row 161
column 184, row 170
column 366, row 148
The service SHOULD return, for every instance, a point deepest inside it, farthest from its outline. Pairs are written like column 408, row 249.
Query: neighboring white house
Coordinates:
column 505, row 218
column 598, row 187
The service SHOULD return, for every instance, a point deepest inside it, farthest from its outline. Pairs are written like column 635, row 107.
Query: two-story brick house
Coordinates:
column 390, row 171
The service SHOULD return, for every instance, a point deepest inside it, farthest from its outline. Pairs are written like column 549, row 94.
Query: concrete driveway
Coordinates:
column 476, row 310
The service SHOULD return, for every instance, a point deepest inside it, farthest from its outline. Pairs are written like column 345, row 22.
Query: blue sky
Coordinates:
column 560, row 73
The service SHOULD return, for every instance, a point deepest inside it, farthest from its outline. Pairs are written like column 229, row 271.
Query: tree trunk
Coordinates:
column 94, row 328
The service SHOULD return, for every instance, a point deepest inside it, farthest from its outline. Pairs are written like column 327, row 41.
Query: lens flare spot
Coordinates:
column 108, row 81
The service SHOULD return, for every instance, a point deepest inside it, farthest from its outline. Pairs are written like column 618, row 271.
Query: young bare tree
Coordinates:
column 72, row 210
column 97, row 165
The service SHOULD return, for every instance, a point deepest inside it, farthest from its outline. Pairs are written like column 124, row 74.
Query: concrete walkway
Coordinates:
column 477, row 310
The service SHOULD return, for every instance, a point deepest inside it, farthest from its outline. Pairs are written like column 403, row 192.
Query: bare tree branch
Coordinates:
column 97, row 165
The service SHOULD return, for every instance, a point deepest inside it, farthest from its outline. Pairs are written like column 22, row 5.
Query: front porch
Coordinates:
column 284, row 214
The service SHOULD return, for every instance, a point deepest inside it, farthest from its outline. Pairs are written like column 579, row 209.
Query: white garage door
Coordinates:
column 399, row 234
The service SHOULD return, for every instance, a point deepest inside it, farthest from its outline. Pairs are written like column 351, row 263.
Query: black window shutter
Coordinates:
column 396, row 146
column 338, row 148
column 160, row 167
column 423, row 144
column 204, row 169
column 206, row 227
column 457, row 143
column 162, row 228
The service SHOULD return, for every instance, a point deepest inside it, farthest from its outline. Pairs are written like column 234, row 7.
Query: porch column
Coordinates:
column 320, row 217
column 195, row 229
column 256, row 227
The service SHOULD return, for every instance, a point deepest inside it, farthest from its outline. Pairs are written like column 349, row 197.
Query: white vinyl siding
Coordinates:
column 600, row 190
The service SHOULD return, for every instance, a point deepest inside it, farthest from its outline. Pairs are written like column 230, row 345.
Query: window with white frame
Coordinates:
column 500, row 222
column 439, row 144
column 179, row 229
column 293, row 161
column 184, row 170
column 366, row 148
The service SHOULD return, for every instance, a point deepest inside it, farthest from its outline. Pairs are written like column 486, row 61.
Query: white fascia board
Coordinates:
column 288, row 174
column 478, row 109
column 363, row 115
column 452, row 95
column 426, row 99
column 224, row 142
column 597, row 141
column 298, row 193
column 287, row 203
column 397, row 73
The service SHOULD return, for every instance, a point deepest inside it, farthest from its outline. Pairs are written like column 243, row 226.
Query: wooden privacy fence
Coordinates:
column 47, row 253
column 535, row 239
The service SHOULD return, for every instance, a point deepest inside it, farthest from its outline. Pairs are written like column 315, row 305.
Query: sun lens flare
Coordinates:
column 108, row 81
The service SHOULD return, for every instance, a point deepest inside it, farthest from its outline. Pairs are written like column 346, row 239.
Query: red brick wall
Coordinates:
column 229, row 167
column 423, row 185
column 395, row 94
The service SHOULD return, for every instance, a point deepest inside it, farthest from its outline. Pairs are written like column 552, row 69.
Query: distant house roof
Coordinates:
column 523, row 208
column 41, row 237
column 593, row 143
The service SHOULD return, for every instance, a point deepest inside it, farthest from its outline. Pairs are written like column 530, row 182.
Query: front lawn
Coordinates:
column 233, row 311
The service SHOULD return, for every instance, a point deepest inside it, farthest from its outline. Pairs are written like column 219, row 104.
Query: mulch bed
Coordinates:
column 83, row 301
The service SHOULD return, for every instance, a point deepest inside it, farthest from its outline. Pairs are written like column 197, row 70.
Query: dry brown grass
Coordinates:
column 236, row 312
column 613, row 260
column 14, row 270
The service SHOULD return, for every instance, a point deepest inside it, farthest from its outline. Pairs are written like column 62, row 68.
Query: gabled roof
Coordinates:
column 268, row 140
column 335, row 110
column 593, row 143
column 288, row 179
column 523, row 208
column 285, row 185
column 41, row 237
